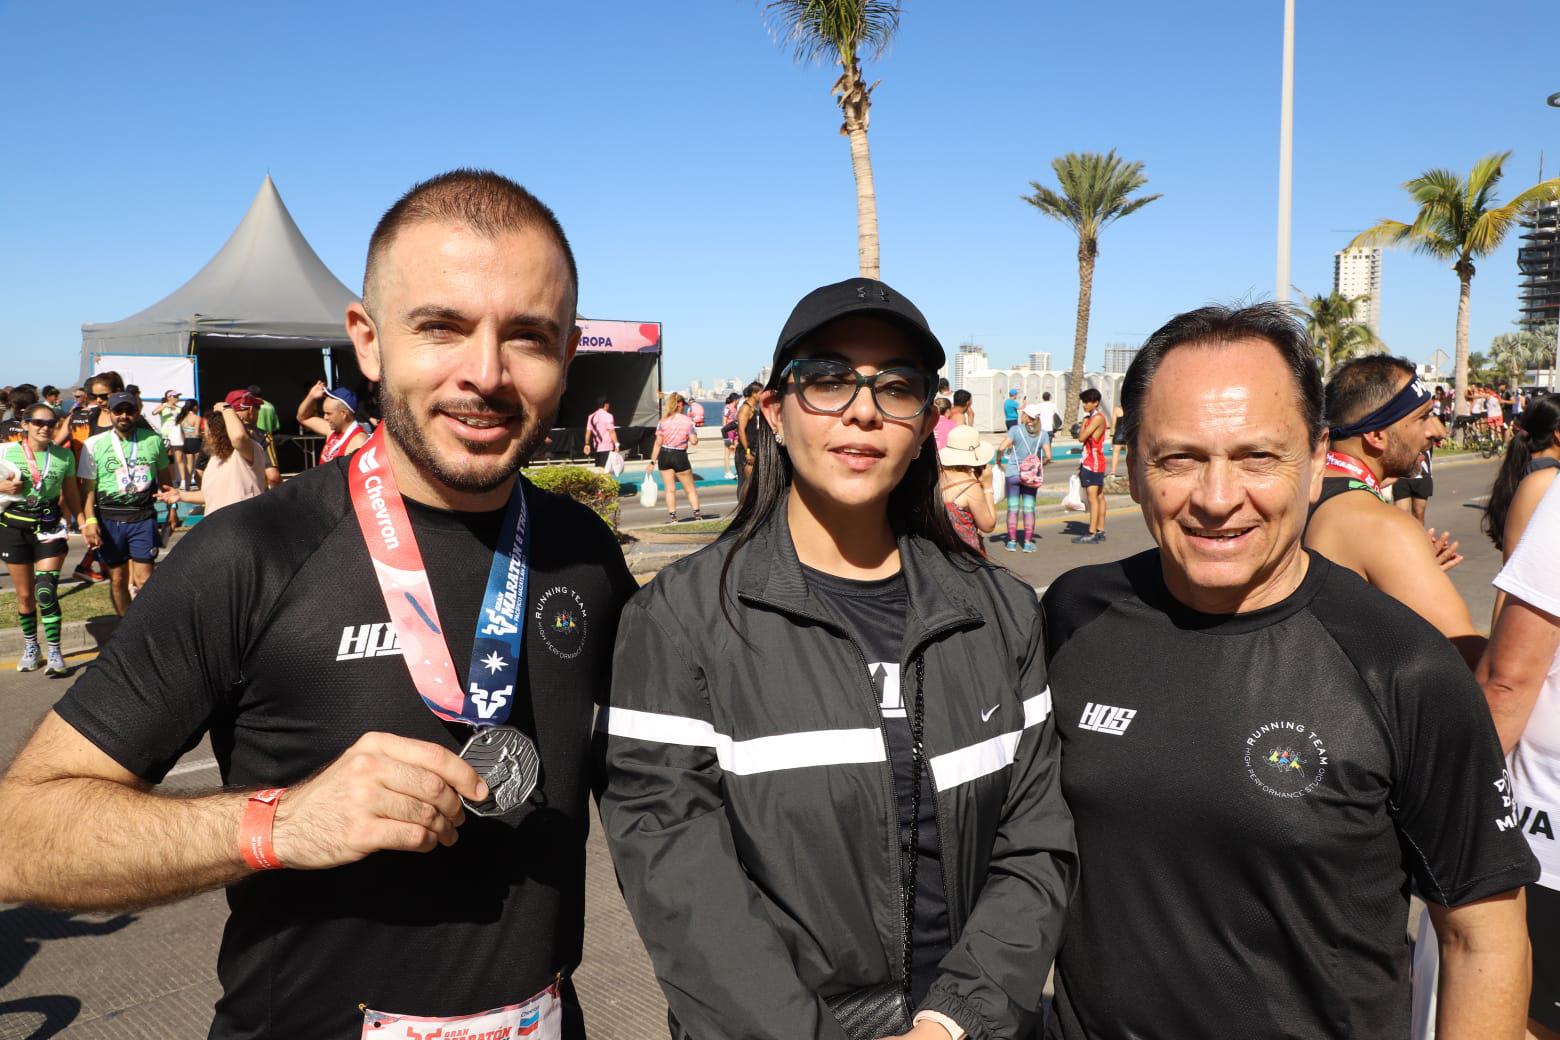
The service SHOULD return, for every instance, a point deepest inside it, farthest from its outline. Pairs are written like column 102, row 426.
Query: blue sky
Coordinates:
column 699, row 173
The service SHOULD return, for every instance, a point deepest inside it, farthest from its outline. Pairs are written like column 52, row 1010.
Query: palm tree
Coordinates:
column 1459, row 221
column 1094, row 193
column 1514, row 352
column 1335, row 334
column 837, row 31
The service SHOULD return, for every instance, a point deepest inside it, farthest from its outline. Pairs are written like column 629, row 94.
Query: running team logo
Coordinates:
column 561, row 621
column 1285, row 759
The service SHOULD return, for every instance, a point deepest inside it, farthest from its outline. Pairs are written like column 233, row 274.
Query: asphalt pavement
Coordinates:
column 151, row 973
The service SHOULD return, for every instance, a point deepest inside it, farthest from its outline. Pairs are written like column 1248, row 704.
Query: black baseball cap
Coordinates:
column 866, row 296
column 122, row 397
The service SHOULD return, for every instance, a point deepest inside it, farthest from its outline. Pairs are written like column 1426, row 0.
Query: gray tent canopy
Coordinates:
column 266, row 289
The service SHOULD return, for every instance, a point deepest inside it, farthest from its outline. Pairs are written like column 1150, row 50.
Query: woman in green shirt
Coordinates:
column 32, row 530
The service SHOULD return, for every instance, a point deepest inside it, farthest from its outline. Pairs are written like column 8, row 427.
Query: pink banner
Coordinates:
column 622, row 337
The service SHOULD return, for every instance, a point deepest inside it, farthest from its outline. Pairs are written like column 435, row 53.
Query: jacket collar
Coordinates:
column 770, row 573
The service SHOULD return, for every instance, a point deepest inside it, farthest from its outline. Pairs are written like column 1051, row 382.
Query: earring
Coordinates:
column 780, row 438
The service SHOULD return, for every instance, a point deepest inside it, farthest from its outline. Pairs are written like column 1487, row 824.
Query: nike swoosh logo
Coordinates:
column 985, row 716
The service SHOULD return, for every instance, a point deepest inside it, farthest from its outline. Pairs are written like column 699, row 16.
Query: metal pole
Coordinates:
column 1286, row 153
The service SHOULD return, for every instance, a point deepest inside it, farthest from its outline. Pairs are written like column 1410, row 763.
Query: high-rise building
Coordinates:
column 1040, row 362
column 1356, row 273
column 1538, row 264
column 970, row 360
column 1118, row 358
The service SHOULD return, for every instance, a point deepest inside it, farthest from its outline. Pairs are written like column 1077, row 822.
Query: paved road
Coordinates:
column 150, row 974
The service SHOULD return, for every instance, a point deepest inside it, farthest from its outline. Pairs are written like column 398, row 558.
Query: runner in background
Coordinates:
column 674, row 435
column 235, row 466
column 33, row 535
column 1380, row 416
column 747, row 434
column 338, row 422
column 1092, row 429
column 1023, row 470
column 185, row 460
column 120, row 472
column 728, row 433
column 264, row 418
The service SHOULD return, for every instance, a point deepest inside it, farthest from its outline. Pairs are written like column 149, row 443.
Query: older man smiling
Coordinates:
column 1287, row 750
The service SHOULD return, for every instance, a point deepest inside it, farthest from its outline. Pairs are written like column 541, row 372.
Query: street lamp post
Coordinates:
column 1286, row 152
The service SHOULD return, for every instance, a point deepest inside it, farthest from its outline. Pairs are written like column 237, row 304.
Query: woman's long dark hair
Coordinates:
column 1532, row 432
column 186, row 409
column 915, row 506
column 216, row 443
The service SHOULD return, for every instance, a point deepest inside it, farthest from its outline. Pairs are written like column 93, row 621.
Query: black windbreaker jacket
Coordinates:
column 749, row 799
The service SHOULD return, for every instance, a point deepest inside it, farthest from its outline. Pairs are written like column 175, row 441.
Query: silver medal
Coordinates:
column 507, row 761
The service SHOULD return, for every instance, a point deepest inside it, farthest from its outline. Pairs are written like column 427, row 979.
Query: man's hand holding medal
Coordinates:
column 384, row 793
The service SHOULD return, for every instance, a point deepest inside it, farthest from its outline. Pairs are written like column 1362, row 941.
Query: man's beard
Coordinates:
column 410, row 433
column 1401, row 458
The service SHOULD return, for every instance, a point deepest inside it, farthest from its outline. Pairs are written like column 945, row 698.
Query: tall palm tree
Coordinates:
column 1335, row 333
column 1094, row 193
column 838, row 31
column 1459, row 221
column 1514, row 352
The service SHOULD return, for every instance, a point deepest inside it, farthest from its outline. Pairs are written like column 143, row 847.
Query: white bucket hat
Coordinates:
column 965, row 448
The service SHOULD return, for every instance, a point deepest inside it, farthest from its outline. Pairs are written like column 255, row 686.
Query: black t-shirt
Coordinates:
column 267, row 628
column 874, row 614
column 1254, row 795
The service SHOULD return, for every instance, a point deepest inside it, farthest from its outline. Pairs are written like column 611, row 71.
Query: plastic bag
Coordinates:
column 998, row 484
column 648, row 489
column 1073, row 503
column 615, row 462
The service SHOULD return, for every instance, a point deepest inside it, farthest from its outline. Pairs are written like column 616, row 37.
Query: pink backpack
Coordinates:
column 1030, row 471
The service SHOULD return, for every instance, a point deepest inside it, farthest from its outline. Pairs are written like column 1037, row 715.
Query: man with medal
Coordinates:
column 396, row 656
column 120, row 471
column 1380, row 416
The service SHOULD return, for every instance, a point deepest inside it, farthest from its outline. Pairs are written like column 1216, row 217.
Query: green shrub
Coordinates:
column 585, row 485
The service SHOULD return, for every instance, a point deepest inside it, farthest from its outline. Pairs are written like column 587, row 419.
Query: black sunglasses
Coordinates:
column 830, row 387
column 126, row 409
column 47, row 424
column 98, row 397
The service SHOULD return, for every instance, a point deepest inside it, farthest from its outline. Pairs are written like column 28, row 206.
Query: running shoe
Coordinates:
column 1087, row 539
column 1012, row 546
column 83, row 574
column 29, row 661
column 1029, row 547
column 56, row 664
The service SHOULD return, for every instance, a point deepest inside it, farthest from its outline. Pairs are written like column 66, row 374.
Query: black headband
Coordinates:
column 1404, row 403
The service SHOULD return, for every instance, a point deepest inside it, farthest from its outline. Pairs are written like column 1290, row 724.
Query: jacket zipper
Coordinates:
column 937, row 810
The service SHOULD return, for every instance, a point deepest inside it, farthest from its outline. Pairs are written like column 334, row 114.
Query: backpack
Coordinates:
column 1030, row 471
column 1056, row 422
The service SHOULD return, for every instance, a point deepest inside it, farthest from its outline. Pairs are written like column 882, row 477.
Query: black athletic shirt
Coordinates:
column 1253, row 795
column 875, row 614
column 266, row 627
column 1332, row 487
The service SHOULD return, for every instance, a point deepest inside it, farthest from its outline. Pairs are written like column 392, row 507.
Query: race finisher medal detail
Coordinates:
column 507, row 762
column 505, row 758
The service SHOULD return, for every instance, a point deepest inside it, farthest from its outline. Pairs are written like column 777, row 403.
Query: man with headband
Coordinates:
column 396, row 656
column 1380, row 418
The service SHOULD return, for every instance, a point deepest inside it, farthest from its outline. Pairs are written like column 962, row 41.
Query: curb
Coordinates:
column 75, row 637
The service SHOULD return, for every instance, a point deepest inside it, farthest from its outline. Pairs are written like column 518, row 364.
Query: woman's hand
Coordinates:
column 10, row 485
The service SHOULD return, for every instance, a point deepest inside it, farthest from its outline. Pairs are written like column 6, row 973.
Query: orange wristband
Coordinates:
column 254, row 833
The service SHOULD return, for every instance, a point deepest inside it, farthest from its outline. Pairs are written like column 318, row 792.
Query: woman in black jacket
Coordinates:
column 831, row 786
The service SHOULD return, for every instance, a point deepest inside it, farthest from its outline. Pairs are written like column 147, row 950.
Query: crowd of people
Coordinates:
column 856, row 781
column 101, row 465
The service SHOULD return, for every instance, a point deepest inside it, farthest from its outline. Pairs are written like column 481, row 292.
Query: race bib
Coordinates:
column 539, row 1018
column 134, row 478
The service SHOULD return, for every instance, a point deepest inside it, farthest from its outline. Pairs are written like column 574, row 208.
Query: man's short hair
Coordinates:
column 1046, row 396
column 488, row 203
column 1361, row 385
column 49, row 391
column 1217, row 325
column 1089, row 395
column 962, row 398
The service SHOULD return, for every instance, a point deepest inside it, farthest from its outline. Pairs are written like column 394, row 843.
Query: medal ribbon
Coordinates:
column 36, row 493
column 403, row 582
column 124, row 467
column 1354, row 468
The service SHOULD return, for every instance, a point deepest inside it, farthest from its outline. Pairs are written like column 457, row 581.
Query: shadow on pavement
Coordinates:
column 23, row 930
